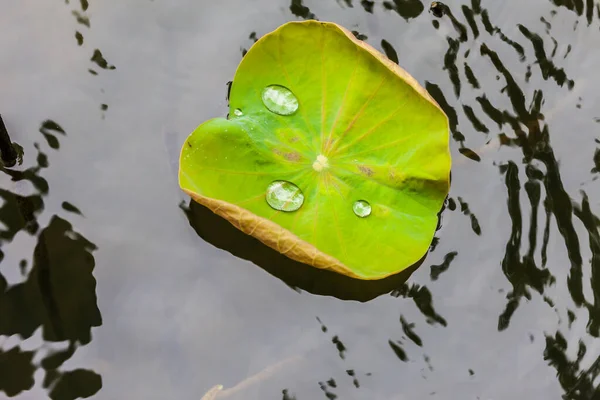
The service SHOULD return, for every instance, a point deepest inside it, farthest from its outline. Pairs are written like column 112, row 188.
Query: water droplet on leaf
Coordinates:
column 237, row 112
column 361, row 208
column 284, row 196
column 280, row 100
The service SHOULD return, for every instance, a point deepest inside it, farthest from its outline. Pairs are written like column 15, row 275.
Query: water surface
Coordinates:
column 114, row 285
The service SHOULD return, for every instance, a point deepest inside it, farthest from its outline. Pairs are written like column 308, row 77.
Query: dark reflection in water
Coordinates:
column 8, row 151
column 596, row 160
column 80, row 11
column 61, row 273
column 522, row 272
column 578, row 383
column 81, row 19
column 437, row 270
column 422, row 299
column 300, row 10
column 407, row 9
column 464, row 208
column 328, row 385
column 359, row 35
column 220, row 233
column 49, row 130
column 389, row 50
column 57, row 296
column 581, row 8
column 99, row 60
column 287, row 395
column 254, row 39
column 438, row 9
column 367, row 5
column 543, row 189
column 17, row 371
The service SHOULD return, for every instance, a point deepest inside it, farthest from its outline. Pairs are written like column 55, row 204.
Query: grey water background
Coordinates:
column 113, row 285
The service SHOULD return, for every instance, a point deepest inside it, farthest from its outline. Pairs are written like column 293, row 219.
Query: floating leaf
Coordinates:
column 344, row 125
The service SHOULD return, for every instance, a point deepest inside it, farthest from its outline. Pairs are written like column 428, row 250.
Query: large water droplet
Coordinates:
column 361, row 208
column 280, row 100
column 284, row 196
column 237, row 112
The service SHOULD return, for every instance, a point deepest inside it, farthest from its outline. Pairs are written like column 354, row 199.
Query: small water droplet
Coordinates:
column 237, row 112
column 361, row 208
column 280, row 100
column 284, row 196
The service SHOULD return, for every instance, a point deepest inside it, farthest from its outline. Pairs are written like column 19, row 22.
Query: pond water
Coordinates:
column 114, row 285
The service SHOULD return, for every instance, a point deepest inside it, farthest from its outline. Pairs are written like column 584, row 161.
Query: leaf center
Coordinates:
column 321, row 163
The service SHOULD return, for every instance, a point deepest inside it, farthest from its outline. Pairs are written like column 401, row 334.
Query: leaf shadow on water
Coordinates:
column 57, row 294
column 221, row 234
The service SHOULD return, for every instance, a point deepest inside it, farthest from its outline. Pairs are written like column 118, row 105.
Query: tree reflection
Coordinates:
column 17, row 371
column 58, row 295
column 300, row 10
column 330, row 384
column 596, row 161
column 543, row 188
column 407, row 9
column 80, row 11
column 580, row 8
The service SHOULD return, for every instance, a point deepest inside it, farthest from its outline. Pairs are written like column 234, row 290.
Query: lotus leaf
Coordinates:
column 312, row 106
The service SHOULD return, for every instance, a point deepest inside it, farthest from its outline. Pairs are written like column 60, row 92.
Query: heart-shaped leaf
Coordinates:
column 332, row 154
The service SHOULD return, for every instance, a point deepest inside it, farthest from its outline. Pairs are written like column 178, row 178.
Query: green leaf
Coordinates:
column 362, row 129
